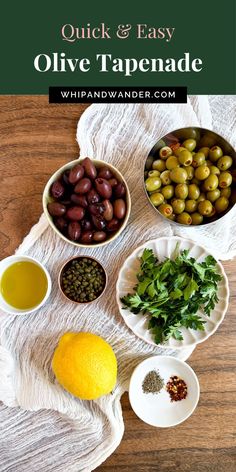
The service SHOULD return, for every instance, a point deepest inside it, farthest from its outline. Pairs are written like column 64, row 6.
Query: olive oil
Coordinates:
column 23, row 285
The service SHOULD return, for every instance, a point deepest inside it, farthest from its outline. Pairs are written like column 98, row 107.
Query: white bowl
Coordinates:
column 157, row 409
column 98, row 164
column 7, row 262
column 164, row 247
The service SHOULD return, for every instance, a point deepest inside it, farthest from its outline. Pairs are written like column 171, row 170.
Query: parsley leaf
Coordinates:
column 173, row 292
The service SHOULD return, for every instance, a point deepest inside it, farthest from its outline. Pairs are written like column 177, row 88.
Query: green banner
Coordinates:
column 153, row 43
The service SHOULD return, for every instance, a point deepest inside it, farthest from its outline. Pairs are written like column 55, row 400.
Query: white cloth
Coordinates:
column 47, row 429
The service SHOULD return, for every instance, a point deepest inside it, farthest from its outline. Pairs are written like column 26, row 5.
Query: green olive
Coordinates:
column 221, row 204
column 225, row 179
column 185, row 157
column 197, row 219
column 190, row 172
column 198, row 159
column 165, row 177
column 159, row 164
column 214, row 170
column 208, row 140
column 165, row 152
column 205, row 151
column 193, row 192
column 172, row 162
column 201, row 197
column 213, row 195
column 178, row 175
column 195, row 181
column 225, row 162
column 184, row 218
column 233, row 196
column 202, row 172
column 157, row 198
column 153, row 183
column 205, row 207
column 190, row 144
column 211, row 183
column 178, row 205
column 171, row 217
column 165, row 209
column 226, row 192
column 233, row 173
column 181, row 191
column 168, row 191
column 154, row 173
column 149, row 162
column 178, row 150
column 190, row 206
column 209, row 163
column 215, row 153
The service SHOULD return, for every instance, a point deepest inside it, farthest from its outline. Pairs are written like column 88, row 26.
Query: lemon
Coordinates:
column 85, row 365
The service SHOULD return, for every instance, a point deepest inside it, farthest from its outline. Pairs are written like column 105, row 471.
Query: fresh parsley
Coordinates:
column 172, row 293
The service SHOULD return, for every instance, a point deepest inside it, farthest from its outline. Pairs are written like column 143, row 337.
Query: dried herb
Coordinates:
column 153, row 382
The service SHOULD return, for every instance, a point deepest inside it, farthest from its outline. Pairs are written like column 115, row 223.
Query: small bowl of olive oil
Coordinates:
column 25, row 285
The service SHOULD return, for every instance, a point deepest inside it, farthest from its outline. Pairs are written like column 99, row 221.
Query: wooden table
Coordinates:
column 36, row 139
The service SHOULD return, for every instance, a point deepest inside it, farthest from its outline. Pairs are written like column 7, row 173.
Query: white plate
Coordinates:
column 164, row 247
column 157, row 409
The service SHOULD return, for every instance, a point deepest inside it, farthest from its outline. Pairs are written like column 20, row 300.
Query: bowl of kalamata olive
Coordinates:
column 87, row 202
column 190, row 176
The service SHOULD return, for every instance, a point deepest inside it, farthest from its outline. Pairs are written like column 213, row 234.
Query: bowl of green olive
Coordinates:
column 190, row 176
column 82, row 279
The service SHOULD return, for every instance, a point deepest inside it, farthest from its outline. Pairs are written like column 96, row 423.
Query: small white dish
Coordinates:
column 164, row 247
column 7, row 262
column 157, row 409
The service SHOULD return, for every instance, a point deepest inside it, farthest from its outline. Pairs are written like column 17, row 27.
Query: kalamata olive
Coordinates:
column 98, row 222
column 89, row 168
column 60, row 223
column 83, row 186
column 105, row 173
column 96, row 209
column 113, row 225
column 99, row 236
column 65, row 177
column 57, row 189
column 93, row 196
column 108, row 210
column 119, row 190
column 75, row 213
column 65, row 201
column 103, row 187
column 113, row 182
column 86, row 224
column 74, row 230
column 86, row 237
column 56, row 209
column 119, row 207
column 80, row 200
column 76, row 173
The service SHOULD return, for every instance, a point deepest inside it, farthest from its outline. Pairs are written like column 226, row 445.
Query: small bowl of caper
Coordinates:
column 82, row 279
column 190, row 176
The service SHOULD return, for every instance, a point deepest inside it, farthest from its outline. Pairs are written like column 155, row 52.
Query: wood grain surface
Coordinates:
column 35, row 139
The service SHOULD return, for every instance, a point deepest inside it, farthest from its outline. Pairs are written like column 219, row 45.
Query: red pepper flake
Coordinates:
column 177, row 388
